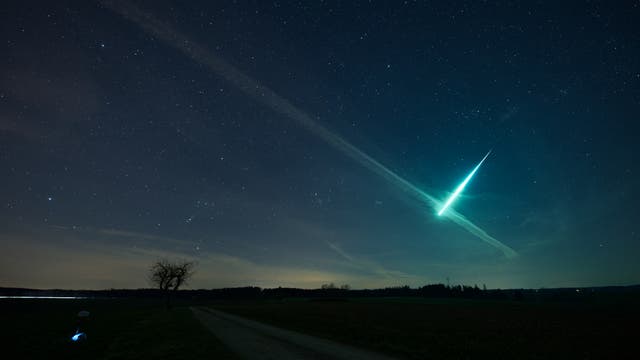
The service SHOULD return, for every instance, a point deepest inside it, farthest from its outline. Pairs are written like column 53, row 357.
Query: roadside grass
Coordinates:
column 172, row 334
column 117, row 329
column 458, row 329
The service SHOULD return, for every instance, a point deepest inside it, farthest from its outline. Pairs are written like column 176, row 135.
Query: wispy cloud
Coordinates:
column 265, row 95
column 75, row 258
column 337, row 249
column 123, row 234
column 371, row 266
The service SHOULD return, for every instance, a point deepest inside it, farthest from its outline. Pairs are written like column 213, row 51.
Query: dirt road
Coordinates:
column 253, row 340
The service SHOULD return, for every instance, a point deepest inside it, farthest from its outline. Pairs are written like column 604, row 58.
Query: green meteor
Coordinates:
column 266, row 96
column 461, row 186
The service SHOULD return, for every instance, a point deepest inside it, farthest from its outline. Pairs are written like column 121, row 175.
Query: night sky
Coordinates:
column 236, row 134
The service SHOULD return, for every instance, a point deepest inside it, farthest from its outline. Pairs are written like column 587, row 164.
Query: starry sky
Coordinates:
column 216, row 132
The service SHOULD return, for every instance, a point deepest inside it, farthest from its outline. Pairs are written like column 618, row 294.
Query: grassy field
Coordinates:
column 460, row 329
column 407, row 328
column 118, row 329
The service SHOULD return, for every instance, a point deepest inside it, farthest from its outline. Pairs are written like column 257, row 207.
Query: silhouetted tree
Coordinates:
column 169, row 276
column 434, row 290
column 518, row 295
column 330, row 286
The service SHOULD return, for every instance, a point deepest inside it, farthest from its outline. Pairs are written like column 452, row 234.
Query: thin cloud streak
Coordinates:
column 370, row 266
column 81, row 259
column 269, row 98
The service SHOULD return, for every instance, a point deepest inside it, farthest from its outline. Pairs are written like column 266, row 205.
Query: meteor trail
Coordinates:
column 461, row 186
column 279, row 104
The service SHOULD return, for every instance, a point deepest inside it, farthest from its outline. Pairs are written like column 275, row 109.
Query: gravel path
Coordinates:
column 253, row 340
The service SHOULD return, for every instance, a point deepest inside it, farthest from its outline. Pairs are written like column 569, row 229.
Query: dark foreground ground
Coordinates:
column 462, row 329
column 404, row 327
column 118, row 329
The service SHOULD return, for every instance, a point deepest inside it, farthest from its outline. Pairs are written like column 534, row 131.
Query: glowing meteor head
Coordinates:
column 461, row 186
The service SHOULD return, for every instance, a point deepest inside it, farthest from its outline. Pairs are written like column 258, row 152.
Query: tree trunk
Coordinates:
column 168, row 299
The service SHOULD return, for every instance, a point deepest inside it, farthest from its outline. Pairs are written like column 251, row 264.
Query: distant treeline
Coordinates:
column 331, row 292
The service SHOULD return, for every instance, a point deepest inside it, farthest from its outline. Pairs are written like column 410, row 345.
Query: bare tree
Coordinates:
column 169, row 276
